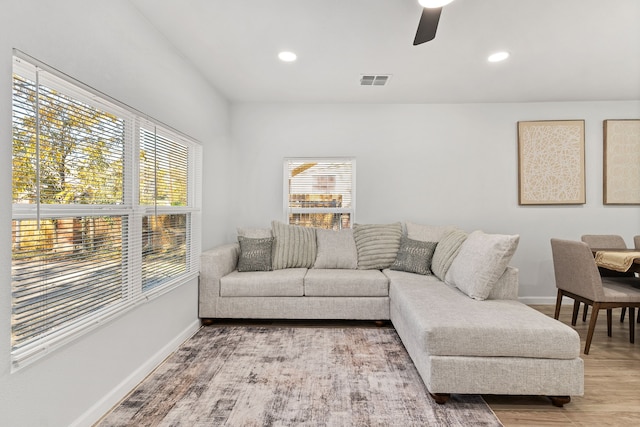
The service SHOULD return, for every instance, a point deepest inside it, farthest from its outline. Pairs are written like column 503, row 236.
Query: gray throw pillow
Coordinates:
column 336, row 249
column 294, row 247
column 377, row 244
column 255, row 254
column 414, row 256
column 446, row 252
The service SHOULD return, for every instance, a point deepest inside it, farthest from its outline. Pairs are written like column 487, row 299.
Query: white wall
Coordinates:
column 431, row 164
column 107, row 45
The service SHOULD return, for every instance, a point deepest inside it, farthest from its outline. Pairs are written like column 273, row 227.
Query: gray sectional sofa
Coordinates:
column 451, row 297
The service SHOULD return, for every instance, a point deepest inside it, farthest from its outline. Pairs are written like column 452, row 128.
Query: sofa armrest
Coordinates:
column 507, row 285
column 214, row 264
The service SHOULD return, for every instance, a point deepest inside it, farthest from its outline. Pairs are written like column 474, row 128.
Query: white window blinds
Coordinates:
column 91, row 236
column 320, row 192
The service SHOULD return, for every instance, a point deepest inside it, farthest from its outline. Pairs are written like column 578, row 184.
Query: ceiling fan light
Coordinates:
column 498, row 56
column 287, row 56
column 434, row 3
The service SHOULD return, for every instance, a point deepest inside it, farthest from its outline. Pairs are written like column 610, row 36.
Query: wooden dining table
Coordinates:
column 635, row 265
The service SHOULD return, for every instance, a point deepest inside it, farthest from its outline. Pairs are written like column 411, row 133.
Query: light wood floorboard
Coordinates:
column 612, row 382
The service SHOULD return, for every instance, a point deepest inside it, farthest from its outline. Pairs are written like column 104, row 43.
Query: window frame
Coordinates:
column 130, row 208
column 287, row 210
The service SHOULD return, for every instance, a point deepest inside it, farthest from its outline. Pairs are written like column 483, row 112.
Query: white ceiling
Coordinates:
column 561, row 50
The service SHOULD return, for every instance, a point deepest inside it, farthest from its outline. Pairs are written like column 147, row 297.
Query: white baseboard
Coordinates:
column 538, row 300
column 100, row 408
column 543, row 300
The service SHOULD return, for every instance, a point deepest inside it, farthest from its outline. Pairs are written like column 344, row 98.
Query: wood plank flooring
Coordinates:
column 612, row 382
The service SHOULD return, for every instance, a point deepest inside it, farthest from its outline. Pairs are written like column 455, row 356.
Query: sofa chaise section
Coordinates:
column 496, row 346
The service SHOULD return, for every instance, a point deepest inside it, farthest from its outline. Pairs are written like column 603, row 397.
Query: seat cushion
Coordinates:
column 621, row 289
column 446, row 322
column 345, row 283
column 278, row 283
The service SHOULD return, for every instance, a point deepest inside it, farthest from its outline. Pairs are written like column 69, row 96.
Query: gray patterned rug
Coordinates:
column 292, row 376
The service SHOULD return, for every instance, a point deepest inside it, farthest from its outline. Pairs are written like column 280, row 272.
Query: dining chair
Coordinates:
column 577, row 277
column 605, row 241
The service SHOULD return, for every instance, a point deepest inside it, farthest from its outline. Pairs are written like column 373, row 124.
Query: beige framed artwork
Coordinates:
column 621, row 162
column 551, row 162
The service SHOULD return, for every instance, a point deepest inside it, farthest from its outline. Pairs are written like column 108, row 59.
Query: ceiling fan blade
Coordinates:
column 428, row 25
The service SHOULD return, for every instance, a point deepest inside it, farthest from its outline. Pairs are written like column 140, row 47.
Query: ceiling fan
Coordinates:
column 429, row 20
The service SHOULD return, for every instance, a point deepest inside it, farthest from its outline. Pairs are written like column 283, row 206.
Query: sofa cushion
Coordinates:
column 414, row 256
column 345, row 283
column 377, row 244
column 294, row 246
column 336, row 249
column 446, row 322
column 446, row 251
column 279, row 283
column 428, row 233
column 254, row 232
column 255, row 254
column 481, row 261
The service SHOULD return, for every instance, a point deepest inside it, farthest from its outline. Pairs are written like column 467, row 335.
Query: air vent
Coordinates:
column 374, row 80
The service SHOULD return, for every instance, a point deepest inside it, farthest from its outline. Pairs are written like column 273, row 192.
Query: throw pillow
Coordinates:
column 446, row 252
column 481, row 261
column 377, row 244
column 294, row 246
column 336, row 249
column 428, row 233
column 255, row 254
column 254, row 232
column 414, row 256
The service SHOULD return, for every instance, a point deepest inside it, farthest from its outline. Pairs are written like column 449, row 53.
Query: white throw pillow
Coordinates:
column 481, row 261
column 428, row 233
column 336, row 249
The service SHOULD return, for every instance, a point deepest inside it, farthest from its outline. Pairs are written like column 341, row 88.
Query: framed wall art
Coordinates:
column 621, row 162
column 551, row 162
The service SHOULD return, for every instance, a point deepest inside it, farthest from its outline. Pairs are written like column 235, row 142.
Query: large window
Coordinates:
column 320, row 192
column 105, row 209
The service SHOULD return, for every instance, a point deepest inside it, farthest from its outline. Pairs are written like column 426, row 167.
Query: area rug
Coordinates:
column 292, row 376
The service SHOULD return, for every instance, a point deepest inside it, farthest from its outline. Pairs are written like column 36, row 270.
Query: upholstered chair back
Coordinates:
column 604, row 241
column 576, row 270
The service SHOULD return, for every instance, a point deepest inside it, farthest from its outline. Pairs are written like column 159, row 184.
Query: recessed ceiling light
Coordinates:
column 434, row 3
column 498, row 56
column 287, row 56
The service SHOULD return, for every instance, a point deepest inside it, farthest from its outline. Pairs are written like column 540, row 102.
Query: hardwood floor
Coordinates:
column 612, row 382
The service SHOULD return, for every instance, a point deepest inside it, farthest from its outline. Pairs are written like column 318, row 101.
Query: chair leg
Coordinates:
column 558, row 303
column 585, row 310
column 609, row 317
column 576, row 308
column 632, row 325
column 622, row 313
column 592, row 326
